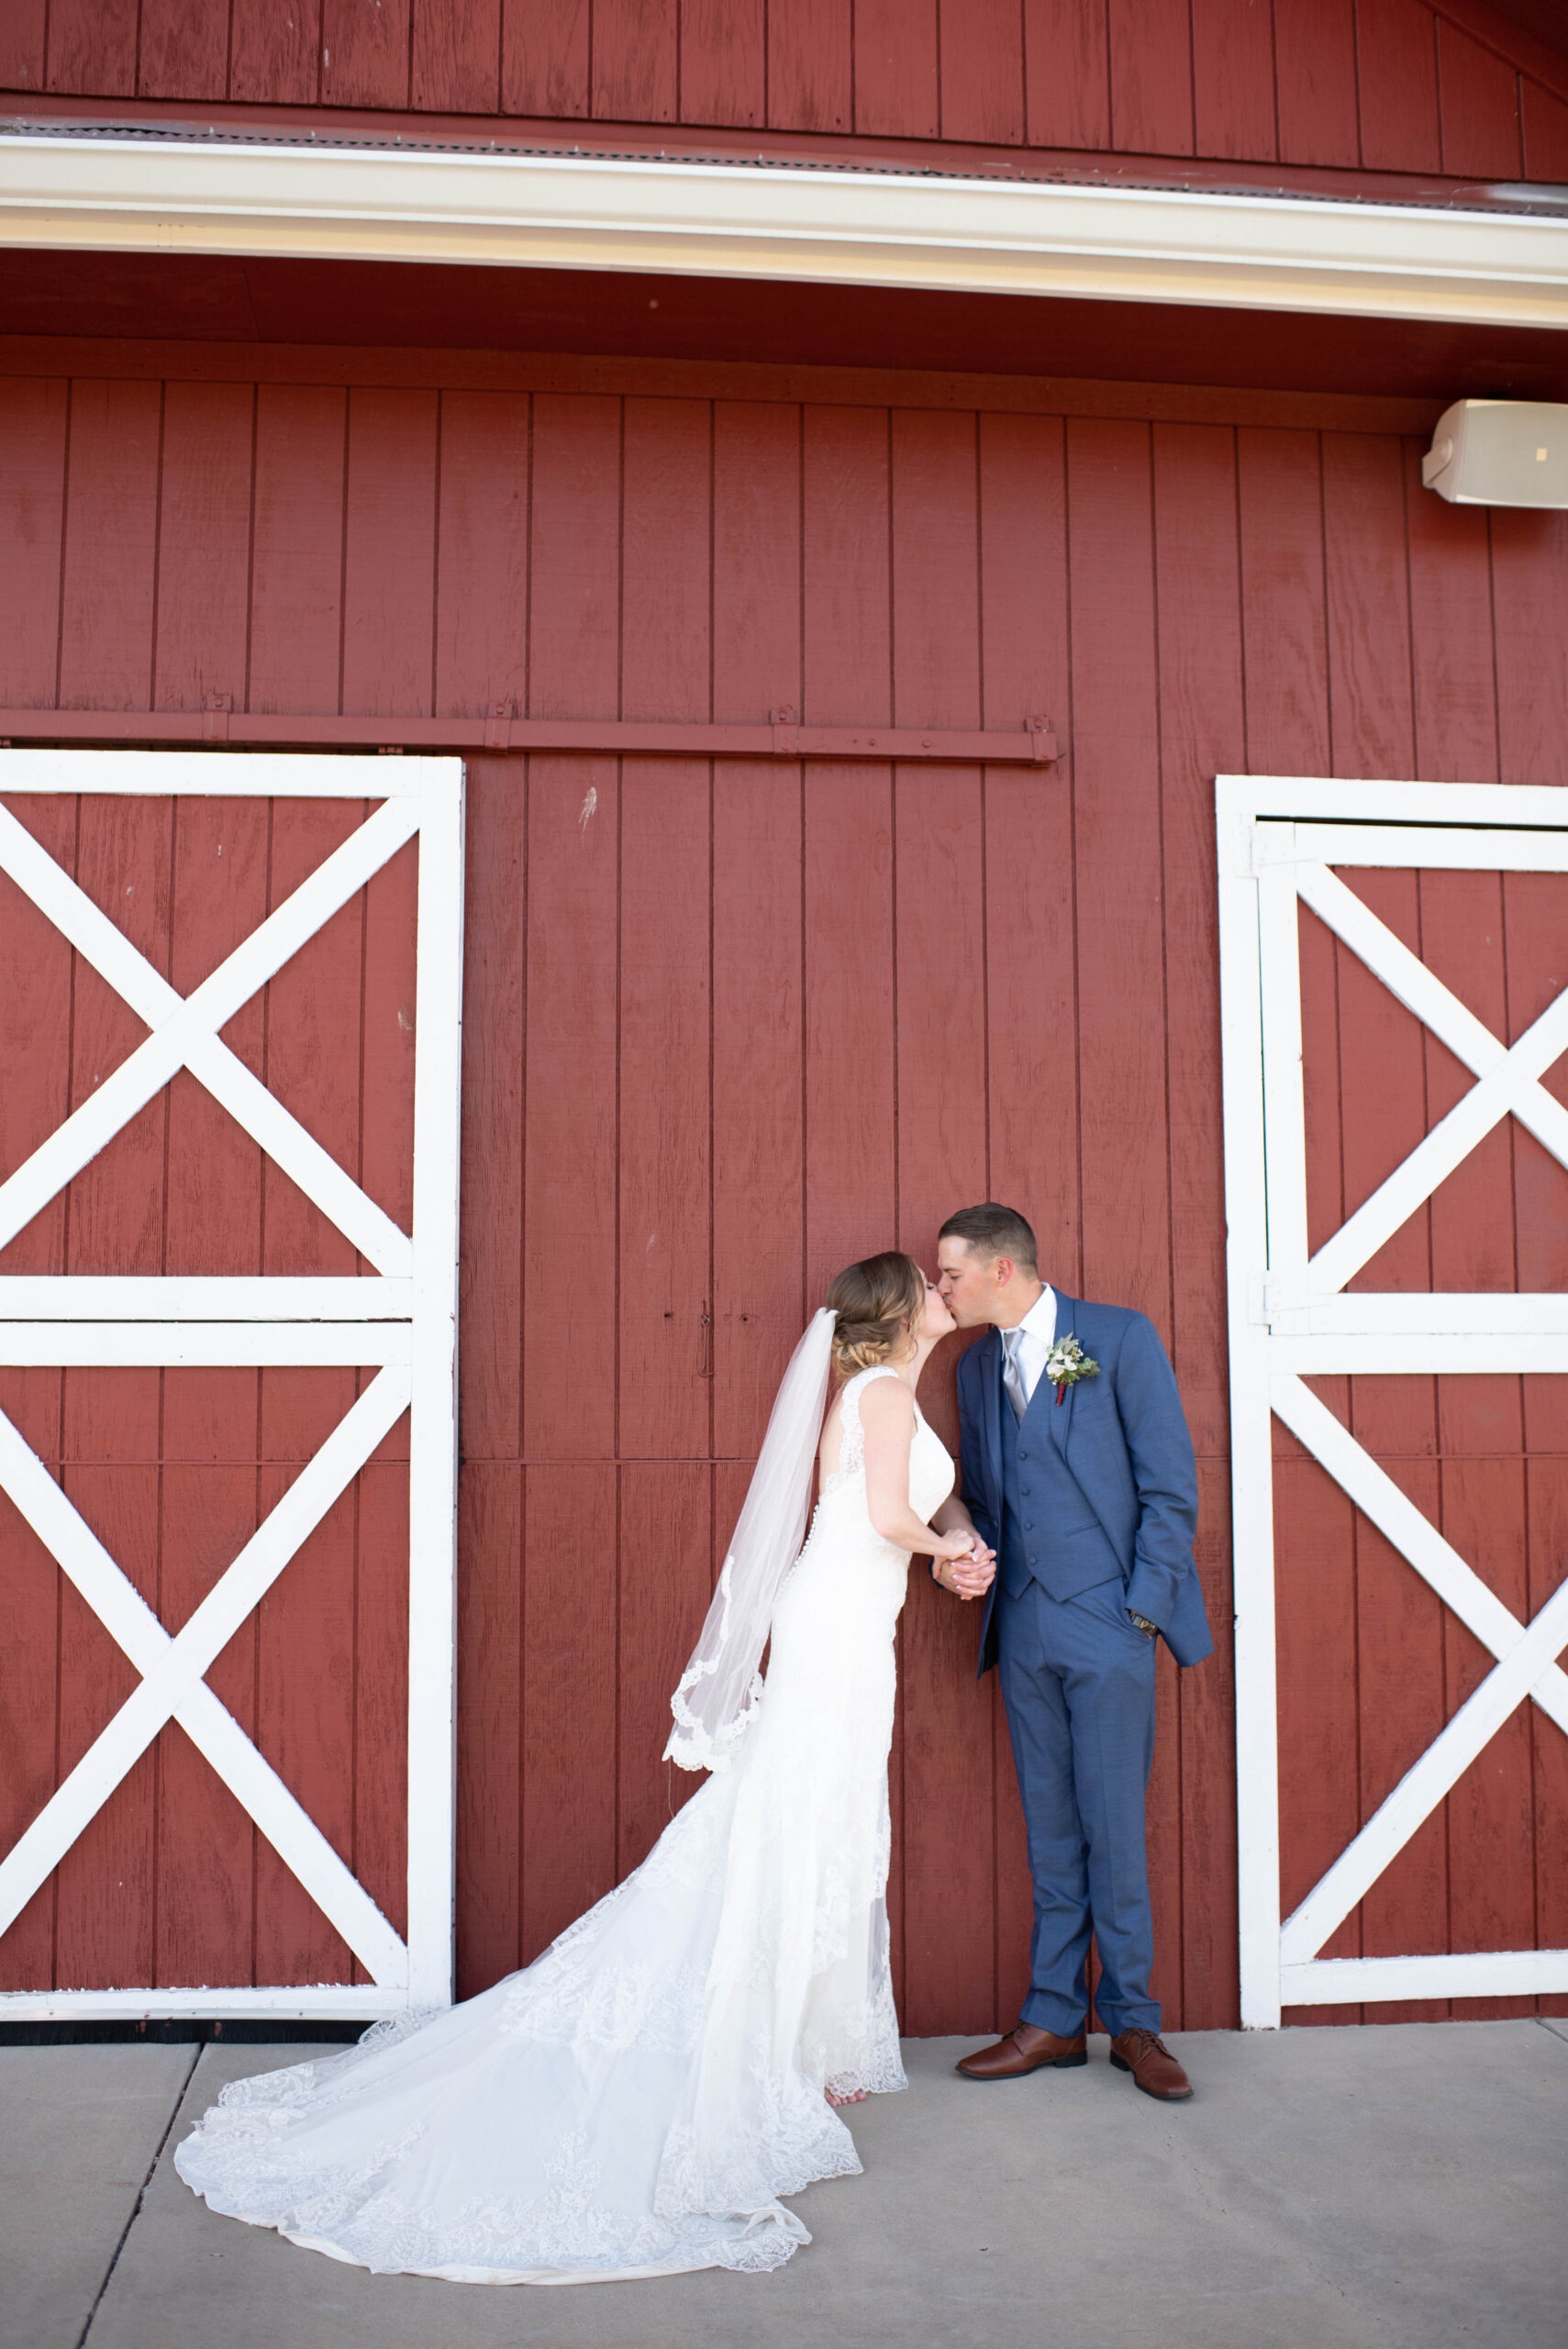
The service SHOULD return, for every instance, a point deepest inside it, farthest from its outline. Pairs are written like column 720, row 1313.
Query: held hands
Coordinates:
column 962, row 1564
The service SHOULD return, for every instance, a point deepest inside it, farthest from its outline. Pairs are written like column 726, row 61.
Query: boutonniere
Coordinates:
column 1066, row 1363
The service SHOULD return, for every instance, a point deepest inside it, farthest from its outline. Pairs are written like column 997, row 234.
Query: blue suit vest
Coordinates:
column 1049, row 1530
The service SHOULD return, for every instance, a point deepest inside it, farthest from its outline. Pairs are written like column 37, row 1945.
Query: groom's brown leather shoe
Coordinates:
column 1153, row 2068
column 1024, row 2050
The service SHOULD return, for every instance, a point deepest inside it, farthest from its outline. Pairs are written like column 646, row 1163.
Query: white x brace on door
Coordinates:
column 402, row 1319
column 1291, row 1319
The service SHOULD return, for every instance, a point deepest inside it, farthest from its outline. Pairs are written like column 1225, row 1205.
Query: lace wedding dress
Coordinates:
column 638, row 2100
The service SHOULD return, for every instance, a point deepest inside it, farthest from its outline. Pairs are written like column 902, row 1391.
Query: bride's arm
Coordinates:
column 888, row 1416
column 953, row 1518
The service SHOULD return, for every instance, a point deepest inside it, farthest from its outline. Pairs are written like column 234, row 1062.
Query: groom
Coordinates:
column 1082, row 1479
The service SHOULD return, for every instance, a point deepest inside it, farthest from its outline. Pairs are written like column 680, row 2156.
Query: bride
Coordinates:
column 637, row 2101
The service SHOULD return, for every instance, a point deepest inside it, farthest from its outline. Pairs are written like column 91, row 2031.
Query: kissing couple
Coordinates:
column 640, row 2099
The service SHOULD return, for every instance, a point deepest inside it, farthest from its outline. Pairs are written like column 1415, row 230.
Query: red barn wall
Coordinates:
column 727, row 1026
column 1385, row 86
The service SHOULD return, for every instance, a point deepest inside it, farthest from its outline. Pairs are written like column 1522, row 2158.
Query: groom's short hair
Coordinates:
column 993, row 1230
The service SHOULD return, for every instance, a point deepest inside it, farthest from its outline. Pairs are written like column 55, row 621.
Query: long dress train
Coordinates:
column 638, row 2100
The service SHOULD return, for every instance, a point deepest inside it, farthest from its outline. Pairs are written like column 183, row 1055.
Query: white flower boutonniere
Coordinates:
column 1066, row 1363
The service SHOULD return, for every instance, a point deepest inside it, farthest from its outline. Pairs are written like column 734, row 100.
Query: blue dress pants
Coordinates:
column 1078, row 1682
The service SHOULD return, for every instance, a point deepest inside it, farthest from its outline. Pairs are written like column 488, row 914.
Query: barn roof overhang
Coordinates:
column 252, row 234
column 304, row 197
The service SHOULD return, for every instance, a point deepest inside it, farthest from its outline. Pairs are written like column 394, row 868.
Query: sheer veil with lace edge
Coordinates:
column 720, row 1685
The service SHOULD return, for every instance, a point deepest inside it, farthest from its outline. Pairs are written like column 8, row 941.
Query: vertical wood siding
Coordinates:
column 728, row 1026
column 1381, row 85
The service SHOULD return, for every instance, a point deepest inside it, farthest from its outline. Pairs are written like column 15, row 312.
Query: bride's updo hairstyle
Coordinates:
column 878, row 1302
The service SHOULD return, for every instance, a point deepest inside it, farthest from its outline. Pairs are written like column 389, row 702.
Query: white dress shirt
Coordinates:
column 1029, row 1344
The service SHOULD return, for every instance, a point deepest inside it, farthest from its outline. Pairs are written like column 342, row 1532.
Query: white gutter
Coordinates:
column 847, row 227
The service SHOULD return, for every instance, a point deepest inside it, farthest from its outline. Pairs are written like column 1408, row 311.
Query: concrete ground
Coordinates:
column 1402, row 2187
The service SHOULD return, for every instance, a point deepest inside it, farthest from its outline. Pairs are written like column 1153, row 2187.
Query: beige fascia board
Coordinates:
column 590, row 212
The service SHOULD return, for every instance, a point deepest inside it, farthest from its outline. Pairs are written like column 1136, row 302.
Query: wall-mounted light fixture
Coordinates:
column 1500, row 452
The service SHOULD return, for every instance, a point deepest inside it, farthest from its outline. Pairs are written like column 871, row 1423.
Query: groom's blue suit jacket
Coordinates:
column 1123, row 1439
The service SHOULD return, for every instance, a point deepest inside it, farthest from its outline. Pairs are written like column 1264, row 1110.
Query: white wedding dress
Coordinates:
column 638, row 2100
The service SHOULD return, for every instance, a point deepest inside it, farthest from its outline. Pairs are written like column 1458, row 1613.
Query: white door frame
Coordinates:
column 1290, row 1320
column 402, row 1320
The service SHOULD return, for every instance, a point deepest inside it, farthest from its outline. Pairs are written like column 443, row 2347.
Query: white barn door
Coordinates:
column 1284, row 844
column 399, row 1321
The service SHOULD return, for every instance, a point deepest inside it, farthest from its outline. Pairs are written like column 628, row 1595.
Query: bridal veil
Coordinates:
column 720, row 1686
